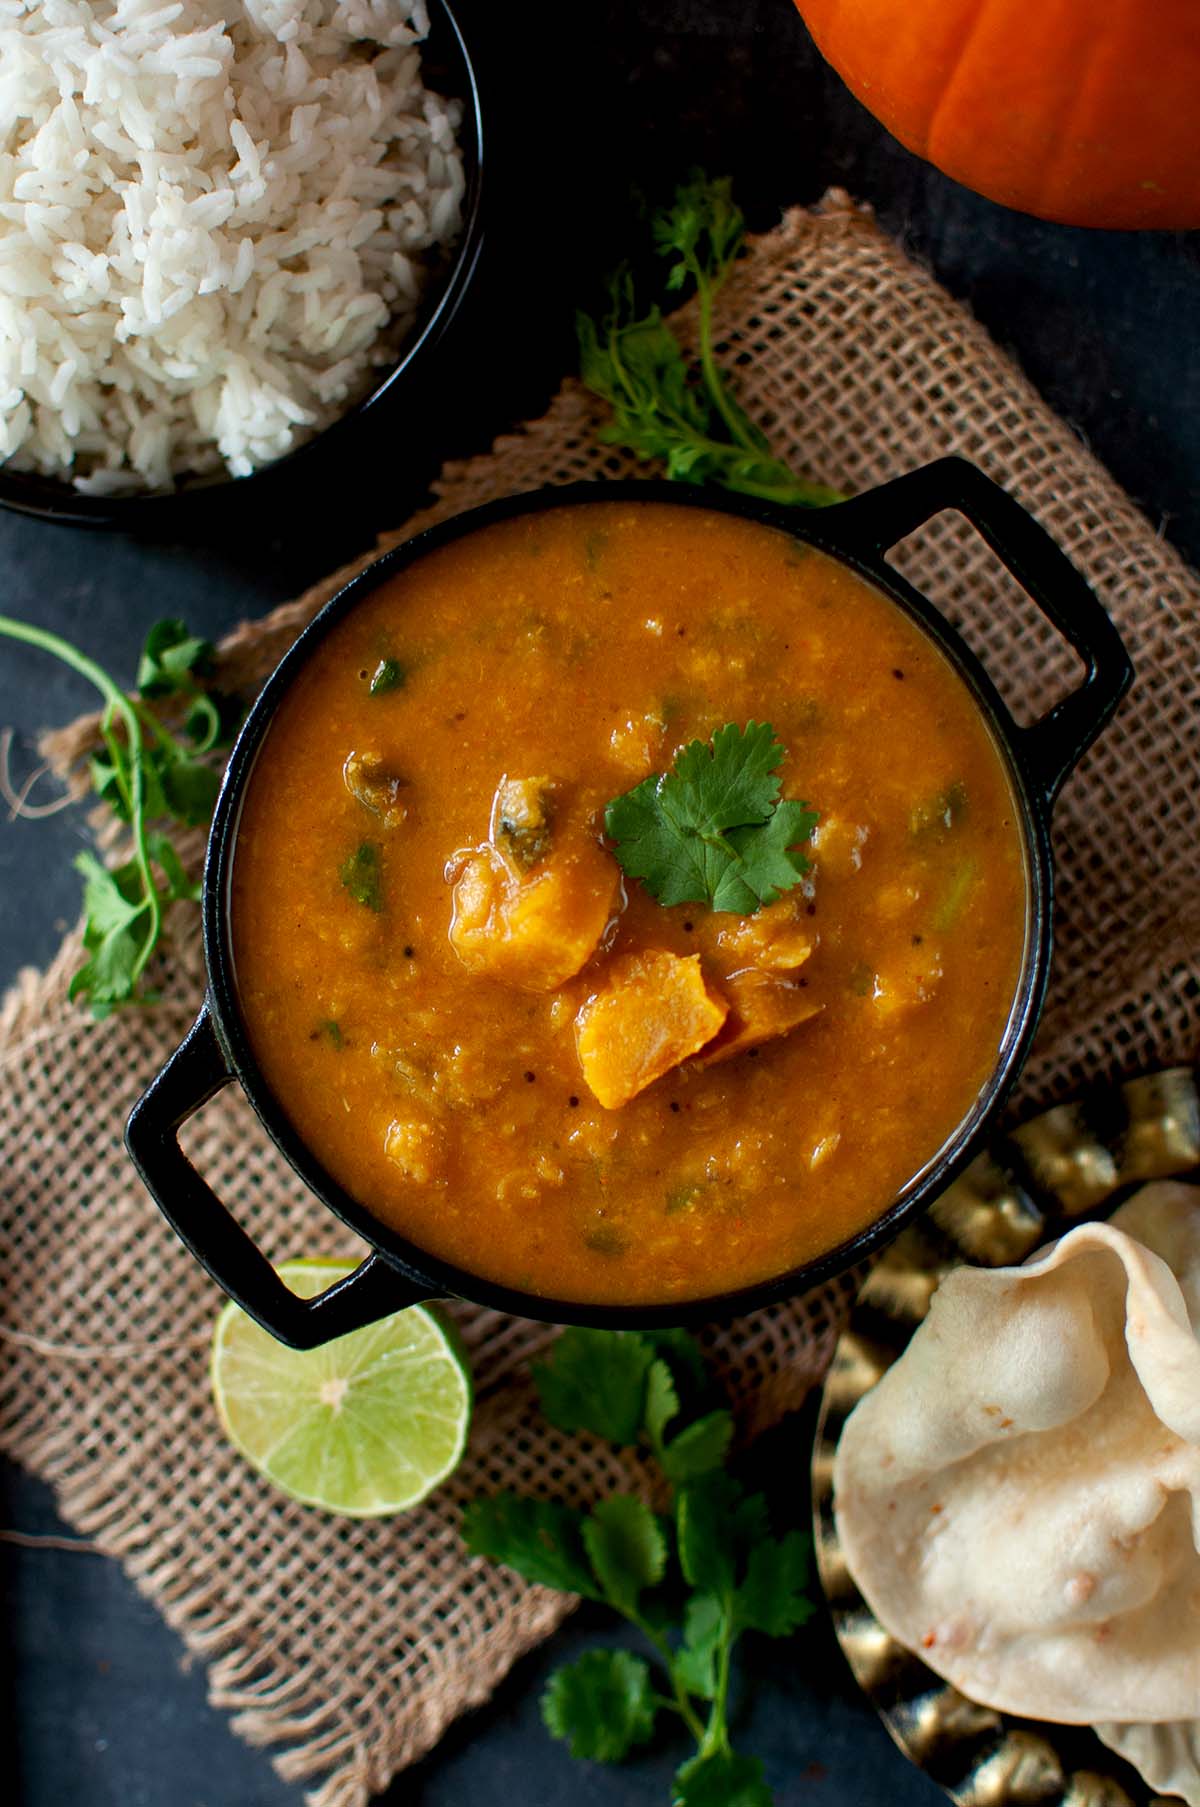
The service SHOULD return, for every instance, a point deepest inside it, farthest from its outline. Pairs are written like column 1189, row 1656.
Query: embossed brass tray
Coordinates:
column 1079, row 1160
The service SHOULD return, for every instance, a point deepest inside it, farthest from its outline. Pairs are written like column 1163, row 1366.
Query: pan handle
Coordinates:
column 196, row 1072
column 868, row 525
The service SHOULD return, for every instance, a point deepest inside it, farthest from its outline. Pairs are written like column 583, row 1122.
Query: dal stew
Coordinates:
column 494, row 1035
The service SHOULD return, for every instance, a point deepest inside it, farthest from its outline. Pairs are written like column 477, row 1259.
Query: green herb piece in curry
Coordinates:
column 388, row 675
column 362, row 875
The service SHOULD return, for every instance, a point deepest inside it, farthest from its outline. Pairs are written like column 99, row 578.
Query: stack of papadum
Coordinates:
column 1019, row 1497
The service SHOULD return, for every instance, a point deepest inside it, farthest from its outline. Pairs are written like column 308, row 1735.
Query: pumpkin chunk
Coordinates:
column 654, row 1010
column 762, row 1006
column 779, row 937
column 531, row 905
column 533, row 931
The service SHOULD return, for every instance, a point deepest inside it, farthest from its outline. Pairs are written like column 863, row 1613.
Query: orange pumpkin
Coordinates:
column 1083, row 111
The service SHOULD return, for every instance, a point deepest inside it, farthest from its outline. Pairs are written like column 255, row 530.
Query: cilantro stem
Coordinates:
column 117, row 704
column 716, row 1734
column 665, row 1701
column 682, row 1703
column 116, row 755
column 165, row 739
column 731, row 414
column 687, row 1712
column 790, row 492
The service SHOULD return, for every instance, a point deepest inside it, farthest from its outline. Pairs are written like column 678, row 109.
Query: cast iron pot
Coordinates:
column 397, row 1272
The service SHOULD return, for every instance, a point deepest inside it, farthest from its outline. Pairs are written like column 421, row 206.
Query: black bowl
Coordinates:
column 448, row 68
column 1037, row 758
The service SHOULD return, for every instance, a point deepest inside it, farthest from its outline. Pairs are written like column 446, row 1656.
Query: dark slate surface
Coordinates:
column 588, row 102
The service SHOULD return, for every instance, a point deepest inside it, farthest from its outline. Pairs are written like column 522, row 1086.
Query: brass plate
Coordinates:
column 1080, row 1160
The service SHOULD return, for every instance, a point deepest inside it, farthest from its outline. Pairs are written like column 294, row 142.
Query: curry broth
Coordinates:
column 589, row 643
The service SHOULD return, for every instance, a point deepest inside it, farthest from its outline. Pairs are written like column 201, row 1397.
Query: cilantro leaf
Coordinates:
column 694, row 1386
column 171, row 659
column 662, row 1403
column 722, row 1779
column 650, row 846
column 771, row 863
column 113, row 933
column 712, row 830
column 189, row 790
column 180, row 888
column 772, row 1598
column 699, row 1448
column 676, row 1377
column 595, row 1380
column 540, row 1539
column 603, row 1705
column 731, row 780
column 702, row 230
column 681, row 1352
column 704, row 1627
column 718, row 1526
column 626, row 1547
column 110, row 897
column 362, row 875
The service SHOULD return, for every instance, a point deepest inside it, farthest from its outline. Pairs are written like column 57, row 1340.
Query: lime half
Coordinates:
column 365, row 1426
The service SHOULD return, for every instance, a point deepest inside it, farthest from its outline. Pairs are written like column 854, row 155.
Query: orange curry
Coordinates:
column 499, row 1042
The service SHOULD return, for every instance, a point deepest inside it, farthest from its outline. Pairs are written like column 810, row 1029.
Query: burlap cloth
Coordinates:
column 347, row 1648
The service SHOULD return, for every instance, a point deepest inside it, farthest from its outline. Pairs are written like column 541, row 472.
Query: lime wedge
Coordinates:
column 365, row 1426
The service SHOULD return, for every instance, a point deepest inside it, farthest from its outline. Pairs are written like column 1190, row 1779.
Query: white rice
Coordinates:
column 216, row 216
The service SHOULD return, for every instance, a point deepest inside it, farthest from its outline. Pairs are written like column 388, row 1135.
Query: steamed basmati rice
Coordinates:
column 216, row 216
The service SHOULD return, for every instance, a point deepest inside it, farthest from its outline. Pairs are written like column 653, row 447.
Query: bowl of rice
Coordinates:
column 226, row 231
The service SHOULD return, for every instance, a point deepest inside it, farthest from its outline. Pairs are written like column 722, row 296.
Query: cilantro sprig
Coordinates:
column 662, row 407
column 149, row 777
column 691, row 1579
column 713, row 829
